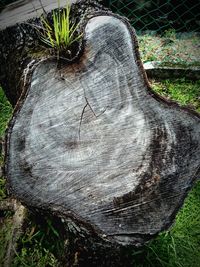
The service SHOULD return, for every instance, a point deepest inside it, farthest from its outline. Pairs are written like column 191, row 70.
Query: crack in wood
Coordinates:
column 79, row 131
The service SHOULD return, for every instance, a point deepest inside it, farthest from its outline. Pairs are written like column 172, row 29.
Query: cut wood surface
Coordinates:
column 22, row 10
column 92, row 142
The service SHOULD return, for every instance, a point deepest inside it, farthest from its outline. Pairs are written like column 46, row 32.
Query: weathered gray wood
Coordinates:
column 23, row 10
column 92, row 142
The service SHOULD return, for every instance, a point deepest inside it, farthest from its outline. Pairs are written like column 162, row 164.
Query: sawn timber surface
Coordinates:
column 92, row 141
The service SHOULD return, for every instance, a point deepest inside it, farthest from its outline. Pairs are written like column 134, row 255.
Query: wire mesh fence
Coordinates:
column 168, row 30
column 159, row 15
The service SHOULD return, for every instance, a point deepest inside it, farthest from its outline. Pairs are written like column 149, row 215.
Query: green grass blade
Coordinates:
column 46, row 41
column 73, row 28
column 64, row 29
column 62, row 33
column 46, row 23
column 56, row 28
column 68, row 21
column 76, row 39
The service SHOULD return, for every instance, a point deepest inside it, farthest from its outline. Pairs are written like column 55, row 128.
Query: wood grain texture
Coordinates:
column 91, row 141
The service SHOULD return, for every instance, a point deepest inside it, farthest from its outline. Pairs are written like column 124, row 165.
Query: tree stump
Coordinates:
column 90, row 141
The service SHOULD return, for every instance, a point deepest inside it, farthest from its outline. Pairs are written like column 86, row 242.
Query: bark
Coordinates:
column 90, row 142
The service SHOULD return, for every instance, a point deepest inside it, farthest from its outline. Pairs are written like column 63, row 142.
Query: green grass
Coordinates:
column 58, row 32
column 183, row 91
column 5, row 228
column 5, row 115
column 5, row 112
column 180, row 246
column 42, row 243
column 3, row 193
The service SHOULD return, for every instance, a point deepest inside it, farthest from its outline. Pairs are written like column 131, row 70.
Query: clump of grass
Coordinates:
column 59, row 32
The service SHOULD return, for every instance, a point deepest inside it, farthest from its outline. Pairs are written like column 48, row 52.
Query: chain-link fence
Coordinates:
column 168, row 30
column 159, row 15
column 156, row 15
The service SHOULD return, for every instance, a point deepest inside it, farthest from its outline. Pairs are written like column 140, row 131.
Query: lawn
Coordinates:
column 42, row 243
